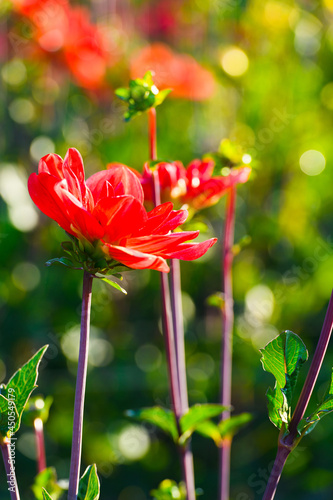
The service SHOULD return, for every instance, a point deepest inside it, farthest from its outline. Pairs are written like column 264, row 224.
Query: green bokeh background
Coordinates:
column 277, row 110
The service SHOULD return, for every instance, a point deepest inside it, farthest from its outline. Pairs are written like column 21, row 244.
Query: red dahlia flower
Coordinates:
column 107, row 215
column 194, row 185
column 73, row 40
column 179, row 72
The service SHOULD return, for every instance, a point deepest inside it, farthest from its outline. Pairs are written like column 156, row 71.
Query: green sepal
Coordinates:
column 162, row 418
column 89, row 487
column 283, row 357
column 123, row 93
column 141, row 95
column 47, row 481
column 195, row 416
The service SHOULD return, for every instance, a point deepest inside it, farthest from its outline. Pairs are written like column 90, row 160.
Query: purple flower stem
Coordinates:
column 74, row 474
column 227, row 326
column 10, row 470
column 287, row 443
column 40, row 444
column 178, row 326
column 173, row 331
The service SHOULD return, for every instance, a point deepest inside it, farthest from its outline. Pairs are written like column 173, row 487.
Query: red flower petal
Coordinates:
column 120, row 216
column 134, row 259
column 51, row 164
column 42, row 191
column 192, row 251
column 118, row 176
column 52, row 198
column 210, row 191
column 161, row 244
column 199, row 169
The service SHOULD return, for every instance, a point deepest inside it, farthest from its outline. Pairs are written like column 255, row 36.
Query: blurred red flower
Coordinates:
column 107, row 211
column 180, row 72
column 194, row 185
column 68, row 34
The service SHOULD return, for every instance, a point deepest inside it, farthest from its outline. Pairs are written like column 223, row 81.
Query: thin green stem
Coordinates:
column 74, row 474
column 227, row 341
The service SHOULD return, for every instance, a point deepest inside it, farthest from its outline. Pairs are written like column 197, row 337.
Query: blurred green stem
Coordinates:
column 289, row 441
column 80, row 388
column 227, row 326
column 10, row 469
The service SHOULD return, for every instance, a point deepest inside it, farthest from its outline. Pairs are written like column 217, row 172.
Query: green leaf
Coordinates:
column 160, row 417
column 23, row 382
column 195, row 416
column 283, row 357
column 230, row 426
column 47, row 481
column 63, row 261
column 224, row 429
column 46, row 496
column 112, row 283
column 89, row 488
column 161, row 96
column 210, row 430
column 323, row 409
column 7, row 407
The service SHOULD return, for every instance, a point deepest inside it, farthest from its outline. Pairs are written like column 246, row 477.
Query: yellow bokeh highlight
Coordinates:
column 234, row 61
column 277, row 15
column 328, row 4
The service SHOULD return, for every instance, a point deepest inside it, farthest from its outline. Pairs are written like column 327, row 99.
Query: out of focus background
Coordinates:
column 259, row 73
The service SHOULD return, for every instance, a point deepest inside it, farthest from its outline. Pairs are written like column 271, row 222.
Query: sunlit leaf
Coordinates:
column 323, row 409
column 47, row 481
column 89, row 488
column 162, row 418
column 23, row 382
column 196, row 415
column 233, row 424
column 283, row 357
column 46, row 496
column 210, row 430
